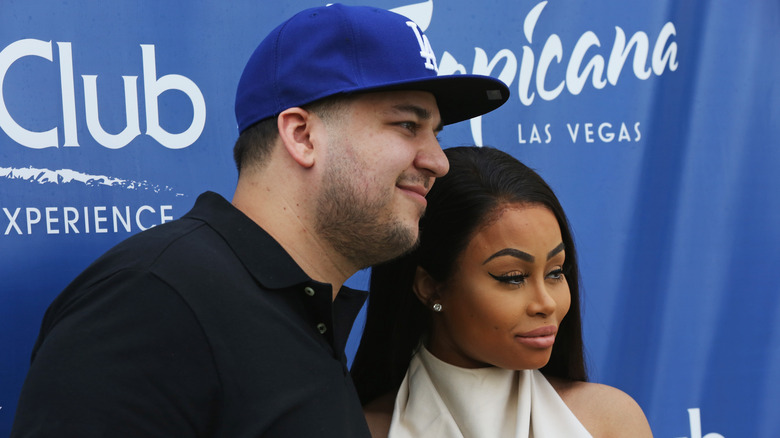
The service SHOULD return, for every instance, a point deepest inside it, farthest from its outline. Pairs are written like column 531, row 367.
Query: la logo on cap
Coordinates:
column 426, row 52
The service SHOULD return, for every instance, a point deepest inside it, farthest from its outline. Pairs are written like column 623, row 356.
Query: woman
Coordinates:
column 466, row 336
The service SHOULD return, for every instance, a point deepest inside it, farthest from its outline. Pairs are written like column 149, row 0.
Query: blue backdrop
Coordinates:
column 657, row 123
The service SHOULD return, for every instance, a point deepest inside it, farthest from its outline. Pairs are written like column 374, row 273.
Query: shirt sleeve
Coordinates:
column 124, row 357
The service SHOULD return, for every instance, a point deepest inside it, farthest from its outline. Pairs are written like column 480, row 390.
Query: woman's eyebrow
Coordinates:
column 556, row 250
column 522, row 255
column 513, row 253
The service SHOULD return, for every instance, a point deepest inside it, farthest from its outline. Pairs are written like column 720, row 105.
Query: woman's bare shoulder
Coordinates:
column 379, row 414
column 604, row 410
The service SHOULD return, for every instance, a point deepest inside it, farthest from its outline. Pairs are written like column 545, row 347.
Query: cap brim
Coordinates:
column 459, row 97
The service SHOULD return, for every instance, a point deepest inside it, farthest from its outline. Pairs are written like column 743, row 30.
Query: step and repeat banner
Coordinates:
column 657, row 123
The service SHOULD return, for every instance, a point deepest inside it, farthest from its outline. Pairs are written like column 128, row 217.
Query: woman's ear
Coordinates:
column 295, row 130
column 425, row 287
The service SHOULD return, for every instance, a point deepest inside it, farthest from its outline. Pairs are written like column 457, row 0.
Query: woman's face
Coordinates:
column 508, row 295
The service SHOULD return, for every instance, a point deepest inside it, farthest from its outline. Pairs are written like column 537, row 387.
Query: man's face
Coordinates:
column 382, row 159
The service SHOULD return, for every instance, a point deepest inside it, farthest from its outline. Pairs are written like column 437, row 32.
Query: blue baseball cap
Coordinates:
column 339, row 49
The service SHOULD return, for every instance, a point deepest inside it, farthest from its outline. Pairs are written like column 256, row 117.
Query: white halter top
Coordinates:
column 439, row 400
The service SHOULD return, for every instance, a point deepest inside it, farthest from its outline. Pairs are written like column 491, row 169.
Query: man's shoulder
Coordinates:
column 135, row 259
column 140, row 251
column 187, row 238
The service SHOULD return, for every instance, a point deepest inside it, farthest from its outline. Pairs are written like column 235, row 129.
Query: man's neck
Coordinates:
column 283, row 213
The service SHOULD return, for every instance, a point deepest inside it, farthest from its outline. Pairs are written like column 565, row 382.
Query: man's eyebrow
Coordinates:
column 418, row 111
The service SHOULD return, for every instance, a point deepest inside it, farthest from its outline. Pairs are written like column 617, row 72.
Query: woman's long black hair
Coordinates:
column 480, row 181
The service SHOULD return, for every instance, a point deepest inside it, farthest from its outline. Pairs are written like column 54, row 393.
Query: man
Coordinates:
column 232, row 321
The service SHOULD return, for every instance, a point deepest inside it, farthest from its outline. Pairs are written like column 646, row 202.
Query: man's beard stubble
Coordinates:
column 358, row 227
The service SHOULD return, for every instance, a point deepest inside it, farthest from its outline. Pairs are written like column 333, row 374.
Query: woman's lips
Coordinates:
column 543, row 337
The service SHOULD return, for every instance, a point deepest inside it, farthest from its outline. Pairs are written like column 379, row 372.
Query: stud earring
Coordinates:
column 437, row 307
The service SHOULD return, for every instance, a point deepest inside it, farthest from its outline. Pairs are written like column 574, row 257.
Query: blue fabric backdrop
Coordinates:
column 657, row 123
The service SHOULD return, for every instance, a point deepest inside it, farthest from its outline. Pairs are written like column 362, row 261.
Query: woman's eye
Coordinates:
column 518, row 278
column 556, row 274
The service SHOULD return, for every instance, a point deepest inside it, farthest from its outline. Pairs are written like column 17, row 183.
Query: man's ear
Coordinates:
column 425, row 287
column 295, row 131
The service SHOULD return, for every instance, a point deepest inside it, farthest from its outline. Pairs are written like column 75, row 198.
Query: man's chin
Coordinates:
column 401, row 241
column 410, row 244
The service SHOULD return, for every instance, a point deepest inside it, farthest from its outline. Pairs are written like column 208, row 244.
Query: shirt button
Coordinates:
column 309, row 291
column 322, row 328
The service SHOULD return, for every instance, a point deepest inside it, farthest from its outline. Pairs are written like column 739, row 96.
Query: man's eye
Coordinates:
column 411, row 126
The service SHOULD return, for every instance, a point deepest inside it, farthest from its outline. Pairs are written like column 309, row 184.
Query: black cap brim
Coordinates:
column 459, row 97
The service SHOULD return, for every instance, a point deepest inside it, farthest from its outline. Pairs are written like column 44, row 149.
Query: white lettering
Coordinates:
column 527, row 65
column 575, row 81
column 620, row 53
column 100, row 219
column 30, row 220
column 624, row 133
column 573, row 133
column 607, row 136
column 669, row 55
column 604, row 131
column 138, row 216
column 131, row 131
column 70, row 223
column 93, row 219
column 9, row 55
column 451, row 65
column 589, row 133
column 426, row 52
column 583, row 63
column 51, row 220
column 484, row 67
column 12, row 221
column 694, row 420
column 164, row 217
column 554, row 51
column 536, row 136
column 524, row 81
column 154, row 87
column 125, row 220
column 68, row 95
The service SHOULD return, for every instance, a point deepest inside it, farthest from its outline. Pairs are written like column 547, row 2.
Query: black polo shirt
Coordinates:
column 201, row 327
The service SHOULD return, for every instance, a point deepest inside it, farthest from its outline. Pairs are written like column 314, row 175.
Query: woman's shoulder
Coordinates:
column 604, row 410
column 379, row 414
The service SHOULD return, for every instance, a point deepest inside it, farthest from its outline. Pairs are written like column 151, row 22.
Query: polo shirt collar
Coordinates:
column 271, row 266
column 262, row 256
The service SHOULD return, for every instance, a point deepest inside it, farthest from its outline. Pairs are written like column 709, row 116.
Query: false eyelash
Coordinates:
column 512, row 279
column 559, row 273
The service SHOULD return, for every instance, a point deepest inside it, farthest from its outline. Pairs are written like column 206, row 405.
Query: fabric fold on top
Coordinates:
column 443, row 400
